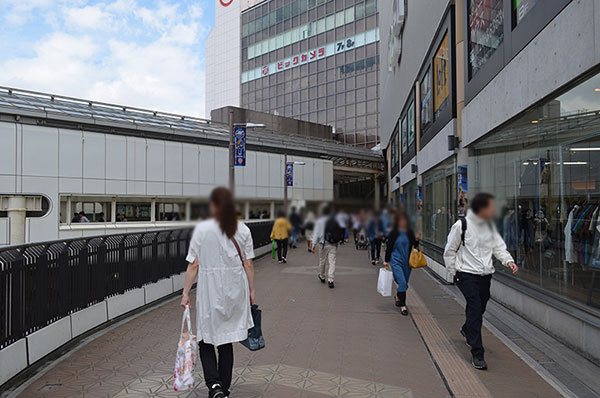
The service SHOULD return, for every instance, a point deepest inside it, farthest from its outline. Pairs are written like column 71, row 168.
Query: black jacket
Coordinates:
column 391, row 241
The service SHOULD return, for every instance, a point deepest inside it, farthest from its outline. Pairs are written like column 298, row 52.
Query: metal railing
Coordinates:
column 43, row 282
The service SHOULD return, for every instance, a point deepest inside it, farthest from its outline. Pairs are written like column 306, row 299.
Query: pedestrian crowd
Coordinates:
column 220, row 263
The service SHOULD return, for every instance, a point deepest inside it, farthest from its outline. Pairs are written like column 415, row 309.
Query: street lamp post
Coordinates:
column 285, row 184
column 232, row 148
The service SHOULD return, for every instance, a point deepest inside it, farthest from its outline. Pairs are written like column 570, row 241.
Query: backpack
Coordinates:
column 334, row 234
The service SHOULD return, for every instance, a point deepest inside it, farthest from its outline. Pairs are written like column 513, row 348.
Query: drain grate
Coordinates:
column 50, row 387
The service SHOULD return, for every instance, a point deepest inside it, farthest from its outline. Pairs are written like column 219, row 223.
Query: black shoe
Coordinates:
column 321, row 279
column 398, row 304
column 331, row 285
column 373, row 262
column 463, row 334
column 216, row 392
column 404, row 312
column 284, row 260
column 479, row 363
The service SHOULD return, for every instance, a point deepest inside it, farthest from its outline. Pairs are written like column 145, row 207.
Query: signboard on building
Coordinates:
column 239, row 137
column 289, row 174
column 441, row 75
column 225, row 3
column 462, row 183
column 327, row 50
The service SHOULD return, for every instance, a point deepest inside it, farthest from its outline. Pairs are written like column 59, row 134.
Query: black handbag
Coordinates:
column 255, row 340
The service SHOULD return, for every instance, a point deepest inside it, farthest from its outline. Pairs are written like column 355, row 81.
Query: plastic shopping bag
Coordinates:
column 385, row 282
column 186, row 355
column 273, row 249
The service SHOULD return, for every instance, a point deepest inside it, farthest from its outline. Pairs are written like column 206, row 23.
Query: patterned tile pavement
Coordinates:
column 321, row 342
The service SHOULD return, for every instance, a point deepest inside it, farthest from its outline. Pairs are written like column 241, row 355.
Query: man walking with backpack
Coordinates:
column 472, row 242
column 328, row 234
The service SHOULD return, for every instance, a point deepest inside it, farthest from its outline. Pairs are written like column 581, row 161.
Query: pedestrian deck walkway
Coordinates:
column 321, row 342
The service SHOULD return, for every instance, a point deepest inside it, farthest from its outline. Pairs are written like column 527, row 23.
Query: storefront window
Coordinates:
column 411, row 204
column 439, row 202
column 426, row 101
column 486, row 31
column 170, row 211
column 544, row 169
column 441, row 76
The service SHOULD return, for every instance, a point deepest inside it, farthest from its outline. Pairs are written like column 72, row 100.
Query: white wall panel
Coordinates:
column 4, row 231
column 8, row 148
column 116, row 187
column 155, row 188
column 174, row 162
column 8, row 183
column 70, row 157
column 156, row 160
column 262, row 169
column 318, row 174
column 207, row 165
column 327, row 174
column 136, row 159
column 116, row 157
column 221, row 166
column 93, row 186
column 275, row 171
column 94, row 156
column 191, row 163
column 40, row 146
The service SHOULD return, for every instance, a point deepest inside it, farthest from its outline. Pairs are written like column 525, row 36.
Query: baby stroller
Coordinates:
column 362, row 243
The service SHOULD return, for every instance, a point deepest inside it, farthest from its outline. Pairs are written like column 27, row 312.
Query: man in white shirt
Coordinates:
column 472, row 242
column 327, row 250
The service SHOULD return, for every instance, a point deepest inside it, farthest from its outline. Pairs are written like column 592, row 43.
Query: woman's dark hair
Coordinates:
column 225, row 213
column 401, row 215
column 481, row 201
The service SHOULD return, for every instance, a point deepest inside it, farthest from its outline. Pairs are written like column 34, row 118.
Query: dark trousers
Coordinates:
column 375, row 248
column 282, row 248
column 217, row 372
column 476, row 289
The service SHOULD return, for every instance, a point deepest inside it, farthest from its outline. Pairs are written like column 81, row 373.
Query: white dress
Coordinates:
column 222, row 295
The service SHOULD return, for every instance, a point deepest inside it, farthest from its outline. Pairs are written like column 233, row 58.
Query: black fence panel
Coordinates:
column 43, row 282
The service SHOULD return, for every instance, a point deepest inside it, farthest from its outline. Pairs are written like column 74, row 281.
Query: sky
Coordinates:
column 142, row 53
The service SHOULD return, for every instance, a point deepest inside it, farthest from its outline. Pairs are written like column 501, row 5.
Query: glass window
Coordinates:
column 370, row 7
column 404, row 130
column 485, row 31
column 133, row 211
column 359, row 11
column 349, row 15
column 170, row 211
column 330, row 22
column 86, row 210
column 544, row 169
column 439, row 202
column 426, row 101
column 441, row 77
column 413, row 203
column 411, row 124
column 339, row 19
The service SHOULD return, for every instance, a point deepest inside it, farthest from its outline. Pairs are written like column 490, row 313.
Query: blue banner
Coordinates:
column 289, row 174
column 239, row 136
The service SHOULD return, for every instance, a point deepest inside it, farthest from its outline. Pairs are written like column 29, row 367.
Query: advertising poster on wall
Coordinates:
column 462, row 183
column 441, row 76
column 486, row 31
column 426, row 101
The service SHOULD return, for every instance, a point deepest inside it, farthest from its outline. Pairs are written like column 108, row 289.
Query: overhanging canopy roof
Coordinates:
column 59, row 111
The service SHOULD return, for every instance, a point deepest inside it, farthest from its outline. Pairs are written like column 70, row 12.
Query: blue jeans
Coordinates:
column 401, row 275
column 295, row 231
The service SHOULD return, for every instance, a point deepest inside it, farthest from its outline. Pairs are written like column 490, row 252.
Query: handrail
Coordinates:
column 43, row 282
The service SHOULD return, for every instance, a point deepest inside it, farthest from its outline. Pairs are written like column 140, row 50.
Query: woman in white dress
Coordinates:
column 220, row 259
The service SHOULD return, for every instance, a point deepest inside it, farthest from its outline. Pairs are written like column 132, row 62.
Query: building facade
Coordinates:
column 313, row 60
column 503, row 96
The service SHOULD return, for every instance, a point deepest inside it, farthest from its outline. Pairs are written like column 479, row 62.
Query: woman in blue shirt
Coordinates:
column 400, row 243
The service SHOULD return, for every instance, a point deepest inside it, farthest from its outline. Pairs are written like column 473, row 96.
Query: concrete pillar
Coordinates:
column 17, row 209
column 113, row 211
column 246, row 210
column 153, row 210
column 272, row 214
column 188, row 210
column 377, row 192
column 69, row 211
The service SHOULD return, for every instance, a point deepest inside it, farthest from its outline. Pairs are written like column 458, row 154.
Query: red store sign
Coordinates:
column 225, row 3
column 301, row 59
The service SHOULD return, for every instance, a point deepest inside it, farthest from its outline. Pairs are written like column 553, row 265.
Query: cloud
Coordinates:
column 148, row 57
column 89, row 17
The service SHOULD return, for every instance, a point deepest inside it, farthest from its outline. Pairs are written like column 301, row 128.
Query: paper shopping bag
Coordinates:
column 186, row 355
column 385, row 282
